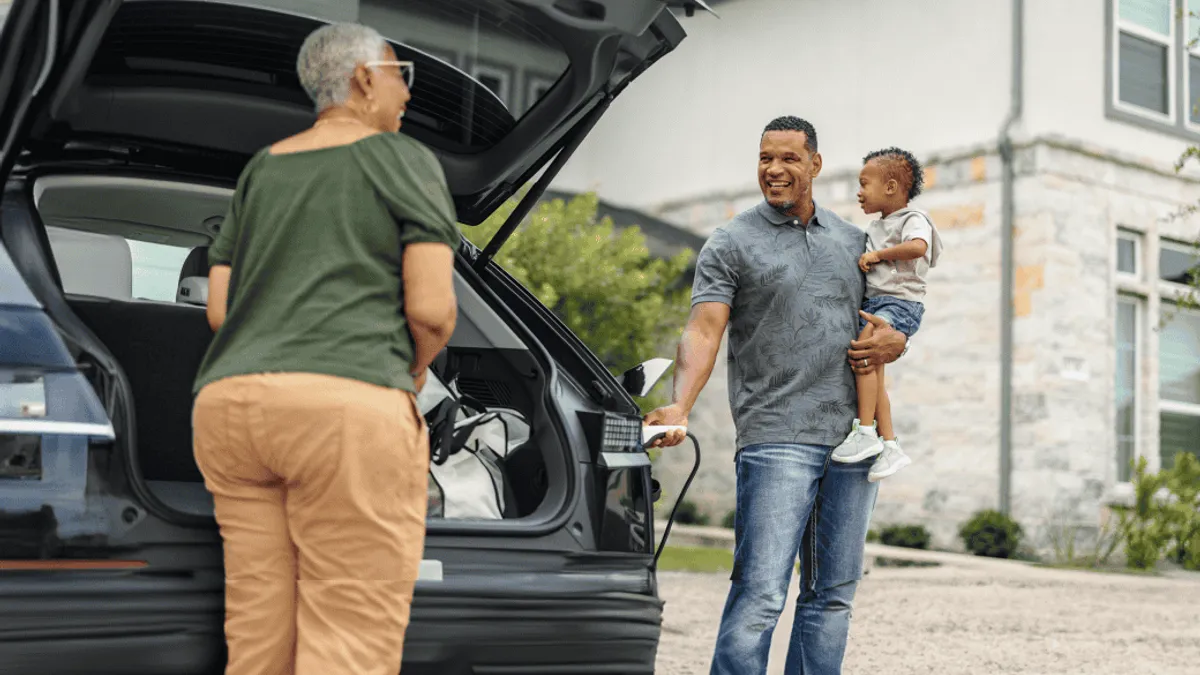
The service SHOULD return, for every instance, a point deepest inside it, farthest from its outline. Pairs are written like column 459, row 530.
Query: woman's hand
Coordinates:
column 419, row 379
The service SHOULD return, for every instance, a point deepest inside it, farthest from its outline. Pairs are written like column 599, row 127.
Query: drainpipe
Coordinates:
column 1008, row 184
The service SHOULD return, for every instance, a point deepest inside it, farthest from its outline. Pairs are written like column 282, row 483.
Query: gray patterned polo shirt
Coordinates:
column 794, row 293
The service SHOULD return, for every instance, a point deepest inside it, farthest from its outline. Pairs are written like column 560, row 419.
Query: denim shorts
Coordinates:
column 904, row 315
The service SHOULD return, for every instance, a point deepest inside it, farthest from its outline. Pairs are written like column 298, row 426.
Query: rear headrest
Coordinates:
column 92, row 264
column 196, row 264
column 193, row 291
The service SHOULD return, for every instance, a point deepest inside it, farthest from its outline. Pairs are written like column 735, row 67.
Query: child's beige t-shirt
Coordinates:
column 904, row 279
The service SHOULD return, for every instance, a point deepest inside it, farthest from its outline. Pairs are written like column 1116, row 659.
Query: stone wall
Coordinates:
column 1069, row 201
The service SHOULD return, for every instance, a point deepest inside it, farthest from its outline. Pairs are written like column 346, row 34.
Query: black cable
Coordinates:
column 687, row 484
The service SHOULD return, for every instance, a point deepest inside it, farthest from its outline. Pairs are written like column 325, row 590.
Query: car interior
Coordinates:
column 131, row 254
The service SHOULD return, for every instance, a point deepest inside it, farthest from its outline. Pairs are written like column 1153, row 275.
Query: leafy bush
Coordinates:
column 689, row 514
column 1143, row 527
column 908, row 536
column 872, row 535
column 992, row 534
column 1181, row 514
column 728, row 521
column 626, row 305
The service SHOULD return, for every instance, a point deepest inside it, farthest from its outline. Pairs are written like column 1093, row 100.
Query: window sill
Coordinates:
column 1179, row 129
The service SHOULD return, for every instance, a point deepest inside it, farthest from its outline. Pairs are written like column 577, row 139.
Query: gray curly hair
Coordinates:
column 328, row 58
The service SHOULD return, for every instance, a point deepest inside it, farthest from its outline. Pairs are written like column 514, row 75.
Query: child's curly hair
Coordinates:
column 902, row 166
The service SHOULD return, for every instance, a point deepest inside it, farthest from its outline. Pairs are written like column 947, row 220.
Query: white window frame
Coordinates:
column 1168, row 405
column 1119, row 26
column 1124, row 234
column 1193, row 97
column 1139, row 312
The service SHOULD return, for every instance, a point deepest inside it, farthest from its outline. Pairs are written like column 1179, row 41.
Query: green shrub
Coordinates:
column 908, row 536
column 992, row 534
column 689, row 514
column 624, row 303
column 729, row 520
column 1181, row 514
column 872, row 535
column 1144, row 525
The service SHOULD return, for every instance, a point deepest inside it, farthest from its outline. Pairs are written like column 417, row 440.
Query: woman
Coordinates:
column 330, row 293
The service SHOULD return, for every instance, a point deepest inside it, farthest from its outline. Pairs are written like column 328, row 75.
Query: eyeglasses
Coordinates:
column 407, row 69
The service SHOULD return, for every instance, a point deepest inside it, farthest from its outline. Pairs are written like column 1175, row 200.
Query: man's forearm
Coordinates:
column 428, row 342
column 909, row 250
column 694, row 361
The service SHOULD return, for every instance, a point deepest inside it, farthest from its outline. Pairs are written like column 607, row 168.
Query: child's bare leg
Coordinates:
column 868, row 388
column 883, row 410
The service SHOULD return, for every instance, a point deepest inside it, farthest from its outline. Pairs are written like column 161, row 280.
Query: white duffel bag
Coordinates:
column 468, row 446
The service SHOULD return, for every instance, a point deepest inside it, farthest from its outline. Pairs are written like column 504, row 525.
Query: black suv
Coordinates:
column 124, row 127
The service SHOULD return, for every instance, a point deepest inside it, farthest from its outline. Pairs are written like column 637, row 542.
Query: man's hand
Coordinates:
column 866, row 260
column 883, row 347
column 668, row 415
column 419, row 379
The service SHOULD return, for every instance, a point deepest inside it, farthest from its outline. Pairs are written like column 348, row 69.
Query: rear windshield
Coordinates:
column 480, row 64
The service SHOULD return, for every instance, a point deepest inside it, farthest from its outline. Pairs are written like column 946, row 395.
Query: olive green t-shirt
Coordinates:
column 314, row 240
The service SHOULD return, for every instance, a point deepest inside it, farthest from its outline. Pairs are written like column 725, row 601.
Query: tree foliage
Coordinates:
column 626, row 305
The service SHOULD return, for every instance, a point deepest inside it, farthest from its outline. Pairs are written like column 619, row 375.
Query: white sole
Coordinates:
column 875, row 477
column 854, row 459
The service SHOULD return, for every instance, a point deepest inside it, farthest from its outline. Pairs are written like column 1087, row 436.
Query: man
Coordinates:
column 784, row 277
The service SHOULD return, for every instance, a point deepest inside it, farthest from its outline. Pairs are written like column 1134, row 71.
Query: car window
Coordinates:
column 156, row 270
column 111, row 266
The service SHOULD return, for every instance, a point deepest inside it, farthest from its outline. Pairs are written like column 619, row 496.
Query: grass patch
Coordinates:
column 686, row 559
column 1107, row 569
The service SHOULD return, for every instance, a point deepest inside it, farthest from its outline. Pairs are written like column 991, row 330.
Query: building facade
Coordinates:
column 1103, row 364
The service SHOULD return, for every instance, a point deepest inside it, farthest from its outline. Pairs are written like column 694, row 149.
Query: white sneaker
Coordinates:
column 862, row 443
column 891, row 460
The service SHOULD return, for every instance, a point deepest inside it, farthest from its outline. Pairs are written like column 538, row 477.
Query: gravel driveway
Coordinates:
column 970, row 620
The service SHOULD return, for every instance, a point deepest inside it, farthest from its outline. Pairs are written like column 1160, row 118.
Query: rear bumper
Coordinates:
column 614, row 634
column 105, row 624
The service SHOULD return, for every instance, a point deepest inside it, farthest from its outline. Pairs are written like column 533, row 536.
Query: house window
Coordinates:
column 1178, row 262
column 1129, row 253
column 1145, row 42
column 1128, row 310
column 536, row 87
column 1191, row 41
column 496, row 79
column 1179, row 384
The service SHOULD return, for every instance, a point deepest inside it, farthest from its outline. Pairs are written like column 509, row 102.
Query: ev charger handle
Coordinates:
column 651, row 434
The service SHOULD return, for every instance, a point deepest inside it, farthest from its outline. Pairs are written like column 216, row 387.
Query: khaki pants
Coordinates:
column 320, row 486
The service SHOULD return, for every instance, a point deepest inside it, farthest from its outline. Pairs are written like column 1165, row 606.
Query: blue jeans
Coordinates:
column 791, row 500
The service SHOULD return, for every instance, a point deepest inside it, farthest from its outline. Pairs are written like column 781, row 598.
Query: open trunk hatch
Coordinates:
column 201, row 85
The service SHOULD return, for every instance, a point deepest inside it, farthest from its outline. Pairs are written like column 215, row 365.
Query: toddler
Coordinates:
column 901, row 247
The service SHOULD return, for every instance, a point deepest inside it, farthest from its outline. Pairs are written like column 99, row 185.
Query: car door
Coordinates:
column 48, row 413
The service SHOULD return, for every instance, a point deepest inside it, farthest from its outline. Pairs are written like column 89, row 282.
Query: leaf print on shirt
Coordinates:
column 772, row 276
column 782, row 378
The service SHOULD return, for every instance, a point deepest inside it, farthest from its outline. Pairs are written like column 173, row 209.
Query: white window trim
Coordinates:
column 1137, row 238
column 1121, row 26
column 1139, row 311
column 1166, row 405
column 1185, row 63
column 1179, row 407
